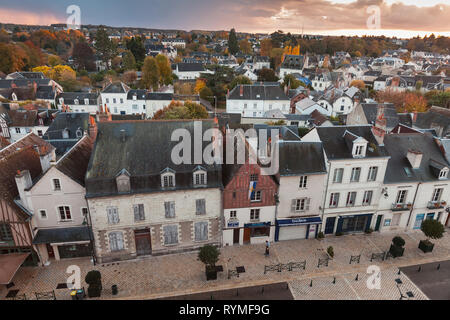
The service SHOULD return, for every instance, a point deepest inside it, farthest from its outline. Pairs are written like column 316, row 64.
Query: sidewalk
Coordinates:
column 180, row 274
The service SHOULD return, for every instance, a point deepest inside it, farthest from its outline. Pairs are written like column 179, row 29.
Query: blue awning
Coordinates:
column 258, row 225
column 299, row 221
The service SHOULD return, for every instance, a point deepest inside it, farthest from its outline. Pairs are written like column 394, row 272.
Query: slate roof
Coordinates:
column 293, row 62
column 69, row 98
column 26, row 75
column 297, row 158
column 398, row 145
column 390, row 113
column 75, row 162
column 144, row 153
column 190, row 67
column 45, row 93
column 258, row 92
column 336, row 146
column 160, row 96
column 116, row 87
column 436, row 116
column 30, row 140
column 140, row 94
column 62, row 235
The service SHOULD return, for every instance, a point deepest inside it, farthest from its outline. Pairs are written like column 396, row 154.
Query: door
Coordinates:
column 51, row 254
column 430, row 216
column 329, row 227
column 293, row 233
column 236, row 236
column 378, row 225
column 74, row 251
column 247, row 234
column 143, row 242
column 419, row 220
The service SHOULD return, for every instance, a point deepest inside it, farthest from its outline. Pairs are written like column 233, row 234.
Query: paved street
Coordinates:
column 183, row 274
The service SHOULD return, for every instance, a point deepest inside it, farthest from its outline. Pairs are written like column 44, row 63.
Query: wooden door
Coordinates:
column 143, row 242
column 236, row 236
column 247, row 233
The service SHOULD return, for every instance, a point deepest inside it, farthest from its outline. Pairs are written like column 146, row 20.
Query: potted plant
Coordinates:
column 320, row 236
column 369, row 231
column 397, row 249
column 330, row 252
column 209, row 255
column 94, row 280
column 432, row 229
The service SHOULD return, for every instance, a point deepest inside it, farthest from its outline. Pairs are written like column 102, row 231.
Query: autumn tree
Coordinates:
column 104, row 46
column 6, row 58
column 239, row 80
column 150, row 73
column 266, row 47
column 179, row 110
column 291, row 82
column 415, row 103
column 267, row 75
column 245, row 46
column 83, row 56
column 129, row 77
column 358, row 84
column 164, row 69
column 128, row 61
column 199, row 85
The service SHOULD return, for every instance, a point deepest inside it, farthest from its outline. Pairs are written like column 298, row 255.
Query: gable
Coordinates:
column 44, row 184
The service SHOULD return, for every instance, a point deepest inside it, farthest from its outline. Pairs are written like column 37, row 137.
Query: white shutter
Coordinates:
column 293, row 205
column 172, row 209
column 308, row 201
column 120, row 245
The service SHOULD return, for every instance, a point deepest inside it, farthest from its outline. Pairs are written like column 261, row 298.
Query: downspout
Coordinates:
column 413, row 205
column 325, row 195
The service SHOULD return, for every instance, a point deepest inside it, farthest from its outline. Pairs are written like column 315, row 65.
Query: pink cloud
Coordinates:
column 26, row 17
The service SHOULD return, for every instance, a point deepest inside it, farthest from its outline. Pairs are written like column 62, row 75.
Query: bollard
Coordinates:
column 357, row 277
column 420, row 269
column 212, row 297
column 237, row 293
column 334, row 281
column 287, row 286
column 439, row 266
column 399, row 272
column 311, row 284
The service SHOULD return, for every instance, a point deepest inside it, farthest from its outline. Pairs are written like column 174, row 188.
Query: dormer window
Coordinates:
column 76, row 101
column 443, row 174
column 123, row 181
column 359, row 148
column 86, row 101
column 168, row 178
column 199, row 177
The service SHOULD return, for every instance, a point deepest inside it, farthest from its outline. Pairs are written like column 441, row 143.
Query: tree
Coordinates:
column 136, row 46
column 104, row 46
column 6, row 58
column 128, row 61
column 53, row 60
column 267, row 75
column 239, row 80
column 209, row 255
column 165, row 70
column 266, row 47
column 277, row 57
column 291, row 82
column 433, row 229
column 415, row 103
column 207, row 94
column 150, row 73
column 129, row 77
column 233, row 46
column 199, row 85
column 94, row 280
column 83, row 56
column 358, row 84
column 245, row 46
column 178, row 110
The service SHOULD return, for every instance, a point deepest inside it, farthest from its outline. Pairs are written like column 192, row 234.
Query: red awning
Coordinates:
column 9, row 264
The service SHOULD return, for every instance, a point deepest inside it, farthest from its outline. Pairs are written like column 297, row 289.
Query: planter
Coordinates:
column 396, row 251
column 211, row 273
column 426, row 246
column 95, row 290
column 114, row 290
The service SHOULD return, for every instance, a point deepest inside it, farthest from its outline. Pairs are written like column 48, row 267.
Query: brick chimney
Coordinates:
column 415, row 114
column 241, row 91
column 92, row 128
column 380, row 127
column 104, row 116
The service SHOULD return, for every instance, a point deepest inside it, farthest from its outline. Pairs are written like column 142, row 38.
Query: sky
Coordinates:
column 400, row 18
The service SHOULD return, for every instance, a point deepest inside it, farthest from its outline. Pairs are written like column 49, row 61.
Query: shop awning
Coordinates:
column 9, row 264
column 62, row 235
column 299, row 221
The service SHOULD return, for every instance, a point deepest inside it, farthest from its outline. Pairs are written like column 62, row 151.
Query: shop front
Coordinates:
column 300, row 228
column 354, row 223
column 257, row 233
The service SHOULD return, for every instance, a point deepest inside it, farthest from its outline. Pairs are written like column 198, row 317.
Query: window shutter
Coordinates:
column 293, row 205
column 141, row 212
column 198, row 230
column 136, row 213
column 205, row 231
column 172, row 209
column 110, row 215
column 116, row 215
column 166, row 235
column 112, row 242
column 307, row 204
column 120, row 245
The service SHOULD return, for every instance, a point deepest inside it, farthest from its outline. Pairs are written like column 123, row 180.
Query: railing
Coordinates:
column 436, row 204
column 401, row 206
column 45, row 295
column 285, row 267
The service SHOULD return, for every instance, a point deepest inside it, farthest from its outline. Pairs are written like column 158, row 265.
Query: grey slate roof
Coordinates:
column 160, row 96
column 434, row 117
column 258, row 92
column 398, row 145
column 140, row 94
column 293, row 62
column 336, row 146
column 69, row 98
column 116, row 87
column 145, row 153
column 62, row 235
column 190, row 67
column 297, row 158
column 390, row 113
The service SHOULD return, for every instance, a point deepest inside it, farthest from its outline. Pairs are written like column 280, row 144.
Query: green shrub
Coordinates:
column 94, row 290
column 209, row 255
column 433, row 229
column 320, row 235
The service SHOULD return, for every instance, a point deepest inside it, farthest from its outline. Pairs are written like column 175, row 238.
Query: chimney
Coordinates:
column 414, row 158
column 92, row 128
column 241, row 92
column 23, row 182
column 415, row 114
column 380, row 127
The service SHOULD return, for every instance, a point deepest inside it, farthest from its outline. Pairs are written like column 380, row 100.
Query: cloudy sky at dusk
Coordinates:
column 403, row 18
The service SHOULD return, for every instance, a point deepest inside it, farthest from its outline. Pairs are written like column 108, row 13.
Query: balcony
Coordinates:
column 436, row 204
column 401, row 206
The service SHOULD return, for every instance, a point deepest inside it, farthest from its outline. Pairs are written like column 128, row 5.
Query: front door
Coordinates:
column 329, row 227
column 419, row 220
column 50, row 252
column 378, row 225
column 236, row 236
column 143, row 242
column 247, row 235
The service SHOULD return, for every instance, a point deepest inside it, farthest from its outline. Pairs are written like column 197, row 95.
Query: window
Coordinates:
column 255, row 106
column 254, row 214
column 201, row 231
column 64, row 213
column 356, row 173
column 338, row 174
column 256, row 196
column 200, row 178
column 396, row 219
column 303, row 182
column 107, row 100
column 373, row 172
column 17, row 130
column 113, row 215
column 245, row 106
column 401, row 196
column 437, row 194
column 121, row 100
column 443, row 174
column 168, row 180
column 5, row 232
column 170, row 234
column 367, row 200
column 254, row 178
column 200, row 205
column 116, row 241
column 169, row 208
column 84, row 212
column 351, row 199
column 233, row 215
column 135, row 106
column 43, row 214
column 359, row 150
column 56, row 185
column 299, row 205
column 114, row 100
column 39, row 133
column 334, row 200
column 139, row 214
